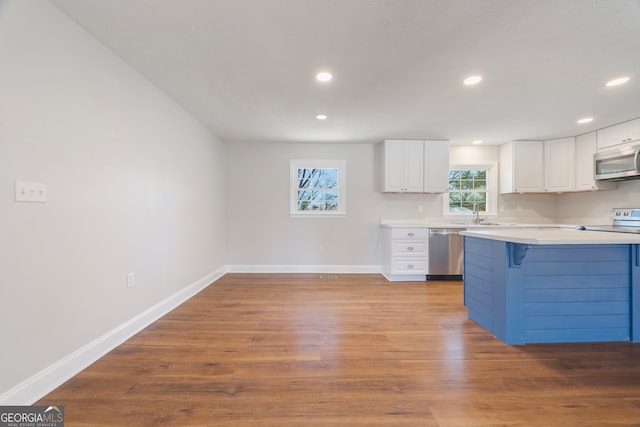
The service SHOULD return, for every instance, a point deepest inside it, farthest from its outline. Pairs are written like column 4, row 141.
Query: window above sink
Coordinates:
column 469, row 183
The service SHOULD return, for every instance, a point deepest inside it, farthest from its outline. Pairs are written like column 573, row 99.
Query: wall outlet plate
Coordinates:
column 31, row 192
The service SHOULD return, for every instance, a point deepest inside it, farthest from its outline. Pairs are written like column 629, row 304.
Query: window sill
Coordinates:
column 318, row 215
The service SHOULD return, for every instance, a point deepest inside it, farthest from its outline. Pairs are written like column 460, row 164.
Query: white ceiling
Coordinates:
column 246, row 68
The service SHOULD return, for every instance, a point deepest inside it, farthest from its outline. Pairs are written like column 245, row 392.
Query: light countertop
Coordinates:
column 488, row 224
column 554, row 236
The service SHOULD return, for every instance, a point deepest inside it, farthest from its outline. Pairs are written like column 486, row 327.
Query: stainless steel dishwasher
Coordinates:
column 445, row 254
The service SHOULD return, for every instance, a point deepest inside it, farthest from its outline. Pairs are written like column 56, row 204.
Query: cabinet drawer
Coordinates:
column 409, row 248
column 409, row 233
column 410, row 266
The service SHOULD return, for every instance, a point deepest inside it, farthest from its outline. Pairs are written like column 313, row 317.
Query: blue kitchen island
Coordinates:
column 553, row 285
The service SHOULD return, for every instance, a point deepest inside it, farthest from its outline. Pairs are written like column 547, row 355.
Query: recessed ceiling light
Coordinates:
column 477, row 141
column 321, row 117
column 618, row 81
column 585, row 120
column 472, row 80
column 324, row 76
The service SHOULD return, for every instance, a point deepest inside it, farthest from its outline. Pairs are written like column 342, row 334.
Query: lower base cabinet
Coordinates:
column 405, row 253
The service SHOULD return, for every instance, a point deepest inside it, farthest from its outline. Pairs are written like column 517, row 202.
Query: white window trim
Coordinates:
column 320, row 164
column 492, row 187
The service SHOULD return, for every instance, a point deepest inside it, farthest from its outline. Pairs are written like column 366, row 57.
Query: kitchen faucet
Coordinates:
column 476, row 211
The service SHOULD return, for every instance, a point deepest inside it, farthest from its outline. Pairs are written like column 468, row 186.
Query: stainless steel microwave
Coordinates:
column 617, row 165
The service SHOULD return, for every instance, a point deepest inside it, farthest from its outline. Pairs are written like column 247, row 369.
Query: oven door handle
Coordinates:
column 636, row 158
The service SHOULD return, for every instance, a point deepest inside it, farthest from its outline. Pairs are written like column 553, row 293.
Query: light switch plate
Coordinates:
column 31, row 192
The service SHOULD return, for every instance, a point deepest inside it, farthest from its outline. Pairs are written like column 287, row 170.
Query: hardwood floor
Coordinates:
column 327, row 350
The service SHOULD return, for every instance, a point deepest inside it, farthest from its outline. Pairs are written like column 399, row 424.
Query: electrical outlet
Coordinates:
column 131, row 280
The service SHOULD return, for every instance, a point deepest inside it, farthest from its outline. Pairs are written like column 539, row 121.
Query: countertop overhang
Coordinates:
column 554, row 236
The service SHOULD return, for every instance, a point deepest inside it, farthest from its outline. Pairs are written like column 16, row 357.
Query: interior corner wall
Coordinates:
column 135, row 184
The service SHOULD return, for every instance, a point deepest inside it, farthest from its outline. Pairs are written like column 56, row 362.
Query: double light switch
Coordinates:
column 31, row 192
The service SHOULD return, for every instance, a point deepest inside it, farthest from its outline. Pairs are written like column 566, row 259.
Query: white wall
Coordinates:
column 135, row 185
column 260, row 230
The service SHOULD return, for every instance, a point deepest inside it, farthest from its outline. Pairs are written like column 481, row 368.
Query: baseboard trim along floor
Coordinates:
column 341, row 269
column 33, row 388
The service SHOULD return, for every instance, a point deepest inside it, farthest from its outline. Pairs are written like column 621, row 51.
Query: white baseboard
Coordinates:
column 45, row 381
column 342, row 269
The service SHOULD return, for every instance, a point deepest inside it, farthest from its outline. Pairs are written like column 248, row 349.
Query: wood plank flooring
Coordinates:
column 345, row 350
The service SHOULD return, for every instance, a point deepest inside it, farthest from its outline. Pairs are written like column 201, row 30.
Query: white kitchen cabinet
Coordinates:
column 623, row 133
column 522, row 167
column 586, row 146
column 436, row 166
column 403, row 166
column 559, row 165
column 405, row 253
column 415, row 166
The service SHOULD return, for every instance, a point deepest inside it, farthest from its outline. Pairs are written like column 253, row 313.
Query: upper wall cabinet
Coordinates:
column 436, row 167
column 521, row 167
column 415, row 166
column 586, row 147
column 554, row 166
column 559, row 165
column 623, row 133
column 403, row 166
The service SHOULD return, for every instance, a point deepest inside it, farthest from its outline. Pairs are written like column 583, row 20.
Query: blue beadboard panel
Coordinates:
column 590, row 285
column 576, row 335
column 573, row 322
column 635, row 293
column 582, row 281
column 586, row 294
column 553, row 293
column 478, row 281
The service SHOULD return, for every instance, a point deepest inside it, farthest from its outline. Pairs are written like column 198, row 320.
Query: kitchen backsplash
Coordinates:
column 526, row 208
column 594, row 207
column 570, row 208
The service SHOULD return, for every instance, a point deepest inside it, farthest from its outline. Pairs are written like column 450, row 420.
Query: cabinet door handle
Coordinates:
column 410, row 266
column 410, row 234
column 410, row 248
